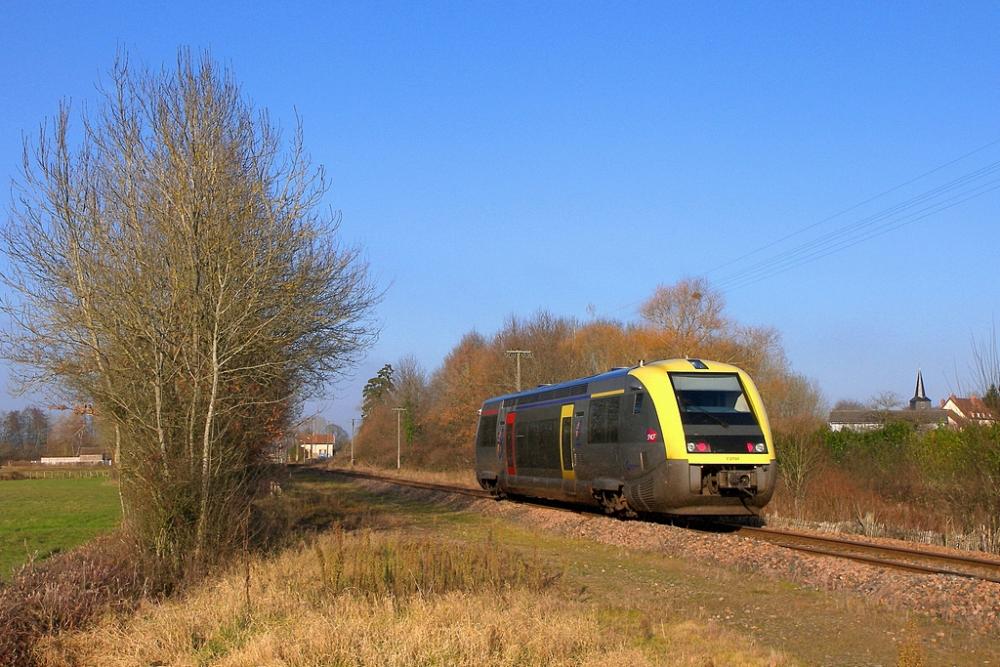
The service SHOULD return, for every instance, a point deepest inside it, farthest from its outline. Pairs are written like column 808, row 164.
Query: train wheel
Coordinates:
column 614, row 504
column 493, row 488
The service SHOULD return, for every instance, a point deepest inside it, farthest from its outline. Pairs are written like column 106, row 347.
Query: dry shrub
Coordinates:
column 939, row 486
column 837, row 495
column 277, row 519
column 65, row 593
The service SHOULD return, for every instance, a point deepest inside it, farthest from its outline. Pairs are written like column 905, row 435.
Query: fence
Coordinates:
column 33, row 473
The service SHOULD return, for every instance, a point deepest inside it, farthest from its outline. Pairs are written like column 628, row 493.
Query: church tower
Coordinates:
column 920, row 400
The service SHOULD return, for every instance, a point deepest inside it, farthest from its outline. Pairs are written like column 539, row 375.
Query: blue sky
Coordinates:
column 497, row 158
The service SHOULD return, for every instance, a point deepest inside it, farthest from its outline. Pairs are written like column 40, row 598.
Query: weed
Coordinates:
column 868, row 523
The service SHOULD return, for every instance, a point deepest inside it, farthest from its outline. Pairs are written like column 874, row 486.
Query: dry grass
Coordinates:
column 387, row 598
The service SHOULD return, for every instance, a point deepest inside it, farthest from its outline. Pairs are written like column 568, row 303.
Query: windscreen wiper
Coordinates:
column 688, row 404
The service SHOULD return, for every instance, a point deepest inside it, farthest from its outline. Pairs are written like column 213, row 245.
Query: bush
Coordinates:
column 66, row 592
column 942, row 480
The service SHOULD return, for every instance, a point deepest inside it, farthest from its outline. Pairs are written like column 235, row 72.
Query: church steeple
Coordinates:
column 920, row 400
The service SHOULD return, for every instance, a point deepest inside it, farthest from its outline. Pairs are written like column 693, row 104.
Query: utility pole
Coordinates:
column 352, row 441
column 398, row 411
column 518, row 354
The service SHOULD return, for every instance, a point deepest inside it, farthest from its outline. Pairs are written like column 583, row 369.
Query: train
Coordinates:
column 677, row 437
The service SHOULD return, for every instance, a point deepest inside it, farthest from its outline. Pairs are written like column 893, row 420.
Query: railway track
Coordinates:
column 477, row 493
column 913, row 559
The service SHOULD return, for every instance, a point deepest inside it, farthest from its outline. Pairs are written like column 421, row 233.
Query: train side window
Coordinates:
column 637, row 403
column 596, row 430
column 614, row 405
column 488, row 431
column 604, row 419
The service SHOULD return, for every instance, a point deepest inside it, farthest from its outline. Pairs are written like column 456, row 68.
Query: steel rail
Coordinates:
column 781, row 538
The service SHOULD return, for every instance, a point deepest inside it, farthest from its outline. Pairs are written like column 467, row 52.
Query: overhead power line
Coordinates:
column 917, row 208
column 858, row 205
column 890, row 226
column 968, row 186
column 935, row 200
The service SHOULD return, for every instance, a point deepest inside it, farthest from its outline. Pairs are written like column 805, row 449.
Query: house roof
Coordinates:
column 868, row 416
column 317, row 439
column 973, row 408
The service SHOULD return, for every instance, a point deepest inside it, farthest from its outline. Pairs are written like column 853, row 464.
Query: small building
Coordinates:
column 964, row 412
column 84, row 458
column 920, row 414
column 60, row 460
column 318, row 445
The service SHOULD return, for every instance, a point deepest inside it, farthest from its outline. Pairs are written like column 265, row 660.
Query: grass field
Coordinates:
column 40, row 517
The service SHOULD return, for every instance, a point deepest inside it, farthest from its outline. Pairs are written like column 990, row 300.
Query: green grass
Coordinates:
column 40, row 517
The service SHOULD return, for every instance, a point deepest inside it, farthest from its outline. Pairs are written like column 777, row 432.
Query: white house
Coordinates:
column 965, row 411
column 318, row 445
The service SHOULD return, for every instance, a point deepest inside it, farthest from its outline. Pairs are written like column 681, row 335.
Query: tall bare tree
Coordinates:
column 172, row 266
column 687, row 314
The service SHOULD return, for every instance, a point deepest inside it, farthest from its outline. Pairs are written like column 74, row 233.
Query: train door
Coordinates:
column 566, row 453
column 509, row 443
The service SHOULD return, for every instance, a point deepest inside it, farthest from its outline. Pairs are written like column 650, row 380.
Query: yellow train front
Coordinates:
column 680, row 436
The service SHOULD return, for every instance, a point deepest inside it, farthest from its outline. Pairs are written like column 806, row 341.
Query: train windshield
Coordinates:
column 712, row 398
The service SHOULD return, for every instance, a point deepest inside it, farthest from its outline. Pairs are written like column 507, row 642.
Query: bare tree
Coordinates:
column 885, row 401
column 173, row 269
column 986, row 368
column 800, row 454
column 70, row 434
column 689, row 312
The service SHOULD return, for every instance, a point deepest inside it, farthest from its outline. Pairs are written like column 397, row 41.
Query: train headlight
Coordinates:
column 760, row 448
column 691, row 447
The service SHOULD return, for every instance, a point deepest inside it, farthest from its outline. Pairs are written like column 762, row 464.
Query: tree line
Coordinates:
column 688, row 318
column 24, row 434
column 28, row 434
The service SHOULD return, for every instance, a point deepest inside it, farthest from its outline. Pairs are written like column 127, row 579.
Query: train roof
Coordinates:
column 613, row 373
column 681, row 364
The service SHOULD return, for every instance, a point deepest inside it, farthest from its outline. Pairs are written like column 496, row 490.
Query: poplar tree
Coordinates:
column 172, row 266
